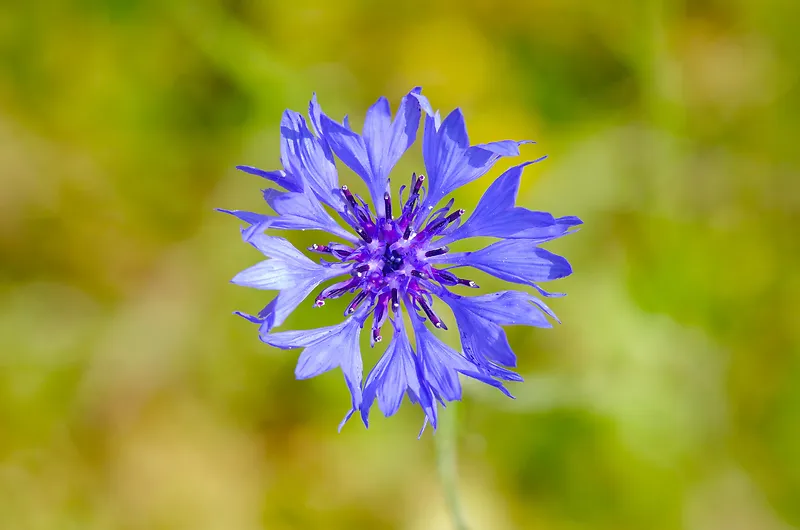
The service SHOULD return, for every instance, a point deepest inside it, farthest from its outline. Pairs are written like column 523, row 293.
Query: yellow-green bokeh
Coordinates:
column 131, row 398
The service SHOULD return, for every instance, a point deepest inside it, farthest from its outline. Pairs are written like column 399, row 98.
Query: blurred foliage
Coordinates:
column 130, row 398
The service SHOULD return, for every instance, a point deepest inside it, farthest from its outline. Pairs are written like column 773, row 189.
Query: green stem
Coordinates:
column 447, row 464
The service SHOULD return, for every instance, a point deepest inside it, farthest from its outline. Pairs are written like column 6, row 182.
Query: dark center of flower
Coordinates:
column 393, row 260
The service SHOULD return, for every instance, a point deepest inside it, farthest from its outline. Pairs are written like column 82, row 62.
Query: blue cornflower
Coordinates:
column 396, row 256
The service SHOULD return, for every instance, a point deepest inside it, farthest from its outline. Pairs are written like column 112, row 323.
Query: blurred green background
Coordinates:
column 131, row 398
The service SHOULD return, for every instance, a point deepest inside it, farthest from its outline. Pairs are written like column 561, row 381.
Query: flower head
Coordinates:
column 394, row 257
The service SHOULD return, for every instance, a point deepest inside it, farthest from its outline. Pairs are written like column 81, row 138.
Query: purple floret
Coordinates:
column 395, row 254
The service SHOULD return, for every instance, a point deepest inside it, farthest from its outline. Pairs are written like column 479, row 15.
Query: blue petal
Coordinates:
column 373, row 155
column 398, row 371
column 503, row 147
column 273, row 274
column 315, row 115
column 251, row 218
column 348, row 146
column 387, row 140
column 288, row 271
column 488, row 378
column 445, row 153
column 327, row 348
column 265, row 318
column 281, row 178
column 477, row 161
column 441, row 365
column 283, row 305
column 496, row 216
column 504, row 308
column 300, row 211
column 449, row 160
column 514, row 260
column 376, row 124
column 425, row 105
column 485, row 344
column 305, row 155
column 494, row 344
column 570, row 220
column 541, row 234
column 279, row 248
column 479, row 318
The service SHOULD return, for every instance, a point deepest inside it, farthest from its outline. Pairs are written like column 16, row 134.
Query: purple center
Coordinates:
column 392, row 261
